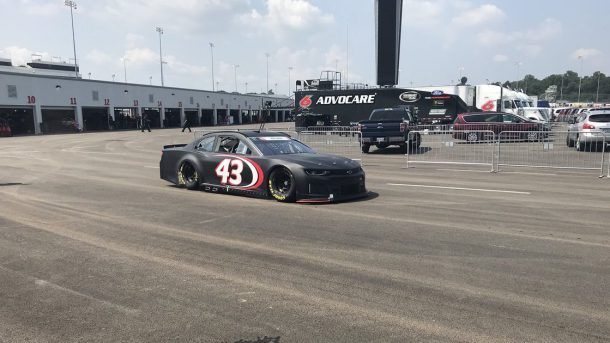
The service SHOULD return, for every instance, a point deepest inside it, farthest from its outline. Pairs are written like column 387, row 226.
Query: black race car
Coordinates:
column 262, row 163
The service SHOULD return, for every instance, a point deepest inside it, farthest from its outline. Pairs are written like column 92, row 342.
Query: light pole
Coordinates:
column 289, row 89
column 599, row 73
column 246, row 87
column 150, row 80
column 561, row 89
column 113, row 75
column 125, row 69
column 580, row 79
column 518, row 64
column 235, row 66
column 275, row 88
column 212, row 51
column 267, row 55
column 72, row 6
column 160, row 30
column 461, row 70
column 217, row 85
column 89, row 75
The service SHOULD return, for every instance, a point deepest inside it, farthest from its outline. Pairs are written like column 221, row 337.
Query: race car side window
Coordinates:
column 227, row 144
column 242, row 148
column 206, row 144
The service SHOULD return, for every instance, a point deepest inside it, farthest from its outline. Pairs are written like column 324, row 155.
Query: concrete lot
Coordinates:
column 94, row 247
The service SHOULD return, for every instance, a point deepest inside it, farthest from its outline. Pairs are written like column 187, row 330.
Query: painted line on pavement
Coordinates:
column 460, row 188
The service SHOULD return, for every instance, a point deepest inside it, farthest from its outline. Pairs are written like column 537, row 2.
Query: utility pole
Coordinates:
column 160, row 30
column 72, row 6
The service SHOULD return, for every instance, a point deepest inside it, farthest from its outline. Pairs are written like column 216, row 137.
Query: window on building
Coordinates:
column 95, row 95
column 12, row 91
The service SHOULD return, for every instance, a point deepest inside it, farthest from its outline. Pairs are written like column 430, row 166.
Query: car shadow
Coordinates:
column 399, row 151
column 13, row 184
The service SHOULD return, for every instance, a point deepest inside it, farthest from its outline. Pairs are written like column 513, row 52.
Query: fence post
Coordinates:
column 408, row 147
column 499, row 153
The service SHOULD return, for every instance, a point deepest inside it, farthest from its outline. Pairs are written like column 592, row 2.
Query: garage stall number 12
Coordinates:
column 229, row 170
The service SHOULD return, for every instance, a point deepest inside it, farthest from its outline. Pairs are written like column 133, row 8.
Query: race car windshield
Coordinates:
column 280, row 146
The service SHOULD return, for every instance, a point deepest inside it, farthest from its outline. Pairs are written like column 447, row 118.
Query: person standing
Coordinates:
column 145, row 122
column 187, row 125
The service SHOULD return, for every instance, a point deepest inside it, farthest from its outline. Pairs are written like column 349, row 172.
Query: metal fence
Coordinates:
column 450, row 147
column 555, row 149
column 344, row 143
column 559, row 149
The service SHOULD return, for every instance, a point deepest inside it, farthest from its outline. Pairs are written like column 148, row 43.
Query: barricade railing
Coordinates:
column 331, row 128
column 332, row 143
column 475, row 147
column 582, row 150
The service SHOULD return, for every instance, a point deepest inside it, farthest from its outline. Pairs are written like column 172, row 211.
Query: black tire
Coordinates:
column 188, row 176
column 472, row 137
column 281, row 184
column 569, row 142
column 365, row 148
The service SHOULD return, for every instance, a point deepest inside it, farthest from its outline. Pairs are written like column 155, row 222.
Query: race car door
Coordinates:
column 233, row 166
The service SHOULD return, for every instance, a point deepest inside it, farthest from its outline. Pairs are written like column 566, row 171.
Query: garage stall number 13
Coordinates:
column 229, row 170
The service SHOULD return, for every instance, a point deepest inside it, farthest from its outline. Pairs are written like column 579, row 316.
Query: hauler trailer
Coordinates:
column 346, row 107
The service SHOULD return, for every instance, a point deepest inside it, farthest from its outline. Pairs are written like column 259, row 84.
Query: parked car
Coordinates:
column 589, row 128
column 389, row 126
column 5, row 129
column 477, row 126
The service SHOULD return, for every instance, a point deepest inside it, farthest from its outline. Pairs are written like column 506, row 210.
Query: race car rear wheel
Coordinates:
column 281, row 185
column 188, row 176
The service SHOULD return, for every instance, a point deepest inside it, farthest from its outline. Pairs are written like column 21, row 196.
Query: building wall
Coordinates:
column 38, row 91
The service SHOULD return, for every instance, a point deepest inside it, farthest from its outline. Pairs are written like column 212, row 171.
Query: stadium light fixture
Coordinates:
column 212, row 52
column 160, row 30
column 289, row 89
column 235, row 66
column 267, row 55
column 72, row 6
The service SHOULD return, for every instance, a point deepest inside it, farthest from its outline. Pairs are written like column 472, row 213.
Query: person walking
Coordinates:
column 187, row 125
column 145, row 122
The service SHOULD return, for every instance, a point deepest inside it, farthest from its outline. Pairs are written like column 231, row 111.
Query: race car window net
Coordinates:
column 281, row 147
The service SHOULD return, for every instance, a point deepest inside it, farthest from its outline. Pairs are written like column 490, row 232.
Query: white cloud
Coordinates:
column 41, row 9
column 141, row 55
column 546, row 30
column 98, row 57
column 417, row 13
column 480, row 15
column 283, row 15
column 21, row 56
column 585, row 53
column 500, row 58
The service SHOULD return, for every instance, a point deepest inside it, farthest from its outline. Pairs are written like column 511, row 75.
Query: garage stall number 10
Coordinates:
column 229, row 170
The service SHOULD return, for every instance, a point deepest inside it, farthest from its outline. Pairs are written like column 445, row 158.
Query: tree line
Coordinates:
column 566, row 87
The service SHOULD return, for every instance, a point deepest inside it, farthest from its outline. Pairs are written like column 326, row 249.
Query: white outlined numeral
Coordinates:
column 230, row 170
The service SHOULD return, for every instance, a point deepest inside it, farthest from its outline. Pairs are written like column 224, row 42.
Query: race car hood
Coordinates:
column 316, row 161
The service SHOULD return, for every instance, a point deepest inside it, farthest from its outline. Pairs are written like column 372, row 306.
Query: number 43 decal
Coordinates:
column 229, row 170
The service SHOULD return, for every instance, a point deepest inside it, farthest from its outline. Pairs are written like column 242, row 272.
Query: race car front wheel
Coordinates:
column 281, row 185
column 188, row 176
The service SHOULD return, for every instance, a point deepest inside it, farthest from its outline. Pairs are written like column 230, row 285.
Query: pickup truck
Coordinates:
column 389, row 126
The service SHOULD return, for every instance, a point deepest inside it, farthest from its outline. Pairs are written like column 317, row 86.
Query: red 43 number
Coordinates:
column 230, row 171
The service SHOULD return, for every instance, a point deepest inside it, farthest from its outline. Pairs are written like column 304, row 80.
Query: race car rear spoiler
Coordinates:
column 173, row 146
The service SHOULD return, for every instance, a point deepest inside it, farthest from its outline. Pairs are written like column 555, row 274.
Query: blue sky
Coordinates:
column 495, row 40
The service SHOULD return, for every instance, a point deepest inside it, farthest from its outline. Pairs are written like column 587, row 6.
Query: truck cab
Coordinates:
column 389, row 126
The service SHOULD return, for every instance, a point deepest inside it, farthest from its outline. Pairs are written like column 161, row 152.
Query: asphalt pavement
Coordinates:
column 94, row 247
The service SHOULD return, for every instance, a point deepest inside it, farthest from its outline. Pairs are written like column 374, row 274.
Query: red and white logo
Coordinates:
column 305, row 101
column 488, row 106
